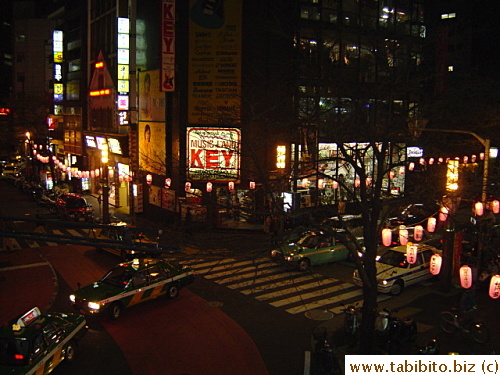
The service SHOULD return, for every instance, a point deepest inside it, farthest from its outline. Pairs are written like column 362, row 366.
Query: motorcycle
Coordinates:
column 393, row 333
column 351, row 323
column 324, row 354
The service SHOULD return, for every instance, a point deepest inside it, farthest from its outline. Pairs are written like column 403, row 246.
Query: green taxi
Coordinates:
column 35, row 343
column 313, row 248
column 131, row 283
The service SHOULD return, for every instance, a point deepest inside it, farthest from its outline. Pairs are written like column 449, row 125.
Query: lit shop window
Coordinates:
column 448, row 15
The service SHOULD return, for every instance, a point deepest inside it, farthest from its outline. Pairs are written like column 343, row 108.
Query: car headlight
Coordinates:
column 274, row 253
column 94, row 306
column 289, row 258
column 72, row 298
column 383, row 282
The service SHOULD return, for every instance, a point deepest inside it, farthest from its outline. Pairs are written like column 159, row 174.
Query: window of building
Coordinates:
column 448, row 15
column 310, row 13
column 20, row 57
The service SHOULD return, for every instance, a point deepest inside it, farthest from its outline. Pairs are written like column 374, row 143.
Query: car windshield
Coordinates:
column 394, row 258
column 13, row 352
column 119, row 277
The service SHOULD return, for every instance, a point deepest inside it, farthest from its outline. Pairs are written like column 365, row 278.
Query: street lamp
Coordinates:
column 486, row 144
column 105, row 185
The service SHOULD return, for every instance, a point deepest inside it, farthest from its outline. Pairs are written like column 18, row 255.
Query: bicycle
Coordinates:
column 451, row 321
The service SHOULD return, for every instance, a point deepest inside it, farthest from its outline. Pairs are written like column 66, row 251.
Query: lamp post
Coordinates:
column 486, row 144
column 105, row 187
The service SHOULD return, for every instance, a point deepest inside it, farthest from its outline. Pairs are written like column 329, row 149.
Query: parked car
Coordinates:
column 35, row 343
column 11, row 171
column 74, row 207
column 394, row 273
column 131, row 283
column 125, row 233
column 313, row 248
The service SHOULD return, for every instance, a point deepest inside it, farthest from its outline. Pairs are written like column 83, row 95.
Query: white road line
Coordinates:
column 24, row 266
column 198, row 267
column 294, row 289
column 327, row 301
column 311, row 295
column 287, row 282
column 241, row 272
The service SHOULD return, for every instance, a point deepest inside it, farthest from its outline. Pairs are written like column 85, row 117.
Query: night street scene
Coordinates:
column 236, row 187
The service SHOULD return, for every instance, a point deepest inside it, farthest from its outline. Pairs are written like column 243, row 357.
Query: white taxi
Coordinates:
column 394, row 273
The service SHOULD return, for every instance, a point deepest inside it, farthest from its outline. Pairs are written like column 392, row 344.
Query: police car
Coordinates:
column 394, row 273
column 35, row 343
column 130, row 283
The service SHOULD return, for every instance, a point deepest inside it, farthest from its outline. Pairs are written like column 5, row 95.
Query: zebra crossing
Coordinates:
column 293, row 291
column 22, row 243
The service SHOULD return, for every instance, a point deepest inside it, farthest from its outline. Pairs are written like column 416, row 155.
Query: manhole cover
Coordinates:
column 215, row 304
column 319, row 315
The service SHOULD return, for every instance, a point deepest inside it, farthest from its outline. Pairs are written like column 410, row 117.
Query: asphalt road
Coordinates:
column 282, row 338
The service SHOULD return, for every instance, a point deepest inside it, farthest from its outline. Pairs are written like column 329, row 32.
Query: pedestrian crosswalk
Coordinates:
column 22, row 243
column 293, row 291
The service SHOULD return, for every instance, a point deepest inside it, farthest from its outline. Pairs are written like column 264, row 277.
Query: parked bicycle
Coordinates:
column 451, row 321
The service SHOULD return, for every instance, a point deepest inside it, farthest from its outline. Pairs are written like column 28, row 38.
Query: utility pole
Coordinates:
column 105, row 185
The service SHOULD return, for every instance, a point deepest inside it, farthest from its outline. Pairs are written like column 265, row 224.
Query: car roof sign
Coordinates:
column 27, row 319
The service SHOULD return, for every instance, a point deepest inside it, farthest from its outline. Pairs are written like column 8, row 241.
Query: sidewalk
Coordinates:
column 425, row 308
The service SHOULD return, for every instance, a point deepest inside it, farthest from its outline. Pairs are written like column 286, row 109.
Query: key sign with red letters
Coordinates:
column 213, row 154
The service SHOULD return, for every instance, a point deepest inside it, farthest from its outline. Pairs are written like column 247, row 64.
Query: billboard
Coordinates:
column 214, row 87
column 213, row 154
column 152, row 143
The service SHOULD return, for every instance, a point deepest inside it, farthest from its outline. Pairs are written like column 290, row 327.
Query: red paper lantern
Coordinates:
column 209, row 187
column 495, row 287
column 357, row 182
column 392, row 174
column 231, row 185
column 418, row 233
column 187, row 186
column 168, row 182
column 403, row 235
column 435, row 264
column 335, row 185
column 411, row 253
column 479, row 208
column 443, row 213
column 252, row 185
column 386, row 237
column 465, row 277
column 411, row 166
column 149, row 179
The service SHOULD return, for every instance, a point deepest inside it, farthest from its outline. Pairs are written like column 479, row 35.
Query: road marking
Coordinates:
column 24, row 266
column 293, row 291
column 251, row 286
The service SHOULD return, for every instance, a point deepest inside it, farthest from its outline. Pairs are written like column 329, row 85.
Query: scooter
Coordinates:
column 394, row 333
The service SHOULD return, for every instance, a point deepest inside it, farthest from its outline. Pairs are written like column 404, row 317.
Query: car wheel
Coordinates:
column 304, row 264
column 173, row 292
column 70, row 351
column 397, row 288
column 116, row 311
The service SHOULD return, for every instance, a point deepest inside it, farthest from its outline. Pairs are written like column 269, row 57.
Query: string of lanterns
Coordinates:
column 436, row 260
